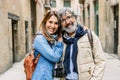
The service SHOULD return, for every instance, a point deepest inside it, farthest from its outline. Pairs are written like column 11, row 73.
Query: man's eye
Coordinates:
column 68, row 17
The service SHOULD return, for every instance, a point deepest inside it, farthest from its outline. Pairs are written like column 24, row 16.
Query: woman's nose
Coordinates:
column 52, row 25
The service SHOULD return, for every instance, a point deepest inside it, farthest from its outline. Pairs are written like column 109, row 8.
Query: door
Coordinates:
column 116, row 25
column 26, row 35
column 14, row 39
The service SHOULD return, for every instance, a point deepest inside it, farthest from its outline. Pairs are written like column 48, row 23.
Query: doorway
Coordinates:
column 88, row 8
column 33, row 17
column 96, row 7
column 26, row 36
column 116, row 27
column 14, row 39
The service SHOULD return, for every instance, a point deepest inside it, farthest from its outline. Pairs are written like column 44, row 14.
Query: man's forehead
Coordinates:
column 66, row 14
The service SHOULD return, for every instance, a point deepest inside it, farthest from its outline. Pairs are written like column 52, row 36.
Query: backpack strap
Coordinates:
column 90, row 37
column 33, row 50
column 37, row 58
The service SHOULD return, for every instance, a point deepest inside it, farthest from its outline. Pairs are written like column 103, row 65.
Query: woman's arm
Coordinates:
column 43, row 47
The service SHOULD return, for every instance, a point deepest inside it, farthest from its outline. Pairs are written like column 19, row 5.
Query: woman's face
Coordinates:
column 52, row 25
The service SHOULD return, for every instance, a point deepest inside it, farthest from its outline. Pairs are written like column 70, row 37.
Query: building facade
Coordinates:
column 45, row 5
column 15, row 31
column 74, row 4
column 19, row 23
column 102, row 16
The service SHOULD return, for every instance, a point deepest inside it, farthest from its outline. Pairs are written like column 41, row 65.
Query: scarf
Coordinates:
column 54, row 37
column 68, row 41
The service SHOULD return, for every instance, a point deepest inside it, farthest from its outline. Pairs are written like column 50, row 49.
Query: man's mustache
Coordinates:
column 69, row 24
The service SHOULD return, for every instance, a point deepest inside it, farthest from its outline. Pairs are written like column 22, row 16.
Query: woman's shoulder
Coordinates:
column 40, row 37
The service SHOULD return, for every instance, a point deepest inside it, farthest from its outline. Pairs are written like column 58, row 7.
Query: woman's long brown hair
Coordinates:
column 43, row 24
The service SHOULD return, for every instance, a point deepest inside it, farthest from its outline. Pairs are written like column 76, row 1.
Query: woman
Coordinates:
column 49, row 45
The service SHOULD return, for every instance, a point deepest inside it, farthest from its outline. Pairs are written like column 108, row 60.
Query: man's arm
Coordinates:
column 99, row 59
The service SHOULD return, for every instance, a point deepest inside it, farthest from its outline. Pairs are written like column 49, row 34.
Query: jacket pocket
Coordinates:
column 86, row 70
column 87, row 67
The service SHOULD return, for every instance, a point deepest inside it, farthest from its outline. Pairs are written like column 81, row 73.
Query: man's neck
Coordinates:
column 71, row 34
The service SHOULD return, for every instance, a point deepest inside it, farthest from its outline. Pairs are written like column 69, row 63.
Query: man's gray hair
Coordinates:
column 63, row 11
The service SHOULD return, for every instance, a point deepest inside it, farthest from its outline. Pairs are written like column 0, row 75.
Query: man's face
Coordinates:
column 67, row 20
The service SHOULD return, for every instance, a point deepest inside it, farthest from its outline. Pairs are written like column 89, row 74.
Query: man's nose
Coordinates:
column 67, row 21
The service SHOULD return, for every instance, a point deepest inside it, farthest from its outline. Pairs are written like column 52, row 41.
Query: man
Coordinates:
column 80, row 60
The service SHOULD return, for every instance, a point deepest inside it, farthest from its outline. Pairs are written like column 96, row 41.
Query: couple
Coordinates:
column 80, row 61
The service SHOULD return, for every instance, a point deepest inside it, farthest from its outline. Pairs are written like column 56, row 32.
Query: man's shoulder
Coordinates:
column 94, row 36
column 92, row 32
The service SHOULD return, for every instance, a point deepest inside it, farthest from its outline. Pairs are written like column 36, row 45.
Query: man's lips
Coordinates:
column 69, row 26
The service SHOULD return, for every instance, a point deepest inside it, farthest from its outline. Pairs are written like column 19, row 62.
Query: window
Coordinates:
column 67, row 3
column 53, row 3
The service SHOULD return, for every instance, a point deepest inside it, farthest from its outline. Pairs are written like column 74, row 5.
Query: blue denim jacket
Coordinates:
column 48, row 56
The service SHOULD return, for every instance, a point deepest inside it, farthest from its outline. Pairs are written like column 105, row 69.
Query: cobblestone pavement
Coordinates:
column 112, row 71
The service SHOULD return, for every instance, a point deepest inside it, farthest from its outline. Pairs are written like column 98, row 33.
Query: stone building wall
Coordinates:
column 108, row 22
column 74, row 5
column 13, row 13
column 42, row 7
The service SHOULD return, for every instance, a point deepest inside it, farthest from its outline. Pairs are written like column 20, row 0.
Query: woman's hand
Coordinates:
column 60, row 39
column 85, row 27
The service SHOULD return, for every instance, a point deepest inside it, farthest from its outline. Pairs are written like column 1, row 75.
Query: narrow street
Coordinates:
column 21, row 20
column 112, row 70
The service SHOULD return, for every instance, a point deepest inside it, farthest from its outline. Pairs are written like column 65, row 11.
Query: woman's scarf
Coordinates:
column 79, row 33
column 53, row 36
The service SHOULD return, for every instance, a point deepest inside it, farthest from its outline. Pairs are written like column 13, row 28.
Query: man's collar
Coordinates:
column 67, row 36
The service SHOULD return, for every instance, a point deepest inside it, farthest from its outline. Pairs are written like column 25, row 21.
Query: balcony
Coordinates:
column 47, row 4
column 81, row 1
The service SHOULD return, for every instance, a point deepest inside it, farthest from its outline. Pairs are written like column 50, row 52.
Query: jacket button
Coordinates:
column 89, row 71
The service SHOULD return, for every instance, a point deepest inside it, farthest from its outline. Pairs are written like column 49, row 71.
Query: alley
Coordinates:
column 20, row 21
column 112, row 70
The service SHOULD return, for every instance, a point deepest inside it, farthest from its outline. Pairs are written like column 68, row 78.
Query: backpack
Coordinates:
column 30, row 63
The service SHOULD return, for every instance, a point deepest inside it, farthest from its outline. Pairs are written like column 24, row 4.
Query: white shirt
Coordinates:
column 72, row 75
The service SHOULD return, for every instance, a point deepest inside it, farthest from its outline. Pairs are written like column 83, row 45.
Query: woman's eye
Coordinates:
column 56, row 22
column 50, row 21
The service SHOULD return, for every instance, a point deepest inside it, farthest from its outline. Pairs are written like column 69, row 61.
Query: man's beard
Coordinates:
column 72, row 28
